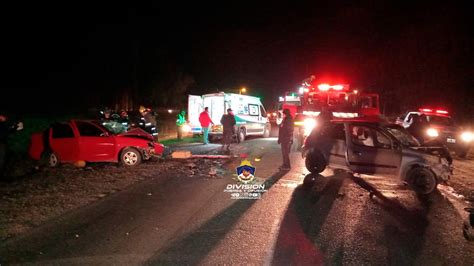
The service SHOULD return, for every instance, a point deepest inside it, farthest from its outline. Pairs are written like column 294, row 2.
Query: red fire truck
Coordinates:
column 338, row 99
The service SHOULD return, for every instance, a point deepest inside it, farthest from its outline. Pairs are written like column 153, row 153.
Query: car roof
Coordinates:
column 365, row 120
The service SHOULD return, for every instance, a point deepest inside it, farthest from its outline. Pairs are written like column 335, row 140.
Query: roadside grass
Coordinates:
column 173, row 141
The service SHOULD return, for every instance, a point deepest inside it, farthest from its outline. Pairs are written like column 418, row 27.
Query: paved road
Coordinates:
column 174, row 219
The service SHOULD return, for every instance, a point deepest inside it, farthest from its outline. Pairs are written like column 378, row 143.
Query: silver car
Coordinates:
column 377, row 148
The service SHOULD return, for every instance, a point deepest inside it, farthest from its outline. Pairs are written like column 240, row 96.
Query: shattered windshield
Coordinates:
column 440, row 120
column 403, row 136
column 113, row 126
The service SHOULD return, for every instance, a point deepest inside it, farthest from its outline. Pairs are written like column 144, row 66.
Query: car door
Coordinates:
column 95, row 144
column 371, row 151
column 63, row 142
column 337, row 149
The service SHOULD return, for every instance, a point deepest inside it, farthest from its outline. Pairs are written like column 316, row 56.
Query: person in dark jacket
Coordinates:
column 418, row 127
column 285, row 138
column 6, row 127
column 228, row 123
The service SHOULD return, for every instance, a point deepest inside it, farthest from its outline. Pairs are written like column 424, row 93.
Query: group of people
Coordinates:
column 228, row 127
column 285, row 136
column 146, row 120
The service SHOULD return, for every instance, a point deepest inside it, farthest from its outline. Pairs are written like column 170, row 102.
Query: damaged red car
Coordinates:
column 91, row 141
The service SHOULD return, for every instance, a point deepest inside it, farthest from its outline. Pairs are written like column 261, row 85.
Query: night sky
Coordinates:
column 73, row 56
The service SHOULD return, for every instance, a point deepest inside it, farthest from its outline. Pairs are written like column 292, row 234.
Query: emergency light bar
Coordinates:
column 326, row 87
column 438, row 111
column 311, row 113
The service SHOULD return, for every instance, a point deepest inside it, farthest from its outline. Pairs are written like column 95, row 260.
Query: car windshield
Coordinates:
column 440, row 120
column 112, row 126
column 403, row 136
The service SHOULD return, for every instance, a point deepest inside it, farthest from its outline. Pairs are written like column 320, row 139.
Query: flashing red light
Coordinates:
column 338, row 87
column 442, row 112
column 324, row 87
column 426, row 110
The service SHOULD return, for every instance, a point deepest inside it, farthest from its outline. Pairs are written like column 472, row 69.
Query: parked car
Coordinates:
column 441, row 128
column 377, row 148
column 91, row 141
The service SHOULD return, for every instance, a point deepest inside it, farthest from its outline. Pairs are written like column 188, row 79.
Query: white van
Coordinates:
column 250, row 115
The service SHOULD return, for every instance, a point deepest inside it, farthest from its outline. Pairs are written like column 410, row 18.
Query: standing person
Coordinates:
column 180, row 121
column 228, row 123
column 205, row 121
column 149, row 121
column 5, row 129
column 418, row 127
column 285, row 139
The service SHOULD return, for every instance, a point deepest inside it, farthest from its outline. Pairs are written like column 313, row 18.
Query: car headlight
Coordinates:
column 431, row 132
column 467, row 136
column 309, row 124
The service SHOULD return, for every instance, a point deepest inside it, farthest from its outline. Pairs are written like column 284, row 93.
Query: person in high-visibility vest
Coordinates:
column 180, row 122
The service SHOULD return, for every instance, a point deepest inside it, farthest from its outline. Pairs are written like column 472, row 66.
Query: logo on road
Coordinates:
column 245, row 172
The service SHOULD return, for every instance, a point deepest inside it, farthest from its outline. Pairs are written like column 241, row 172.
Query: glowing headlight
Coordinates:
column 309, row 124
column 431, row 132
column 467, row 136
column 186, row 128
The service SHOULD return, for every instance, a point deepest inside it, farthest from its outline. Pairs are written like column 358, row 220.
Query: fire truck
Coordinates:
column 338, row 99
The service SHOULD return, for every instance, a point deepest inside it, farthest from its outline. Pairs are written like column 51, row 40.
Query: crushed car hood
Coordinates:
column 137, row 133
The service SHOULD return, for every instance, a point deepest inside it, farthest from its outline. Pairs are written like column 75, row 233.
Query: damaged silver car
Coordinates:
column 377, row 148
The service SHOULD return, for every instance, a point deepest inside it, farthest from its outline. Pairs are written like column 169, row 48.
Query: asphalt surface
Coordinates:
column 175, row 220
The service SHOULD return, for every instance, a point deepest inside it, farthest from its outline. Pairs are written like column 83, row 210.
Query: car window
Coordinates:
column 403, row 136
column 382, row 140
column 338, row 132
column 253, row 109
column 440, row 120
column 363, row 136
column 262, row 111
column 89, row 130
column 62, row 131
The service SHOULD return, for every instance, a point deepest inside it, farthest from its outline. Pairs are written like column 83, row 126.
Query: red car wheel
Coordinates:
column 130, row 157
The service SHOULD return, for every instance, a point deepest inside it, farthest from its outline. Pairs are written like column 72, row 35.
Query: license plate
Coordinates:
column 450, row 140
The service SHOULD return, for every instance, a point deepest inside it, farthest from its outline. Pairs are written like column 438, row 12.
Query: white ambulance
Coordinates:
column 250, row 115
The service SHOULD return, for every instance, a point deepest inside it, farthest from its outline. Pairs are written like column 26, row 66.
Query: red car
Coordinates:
column 89, row 141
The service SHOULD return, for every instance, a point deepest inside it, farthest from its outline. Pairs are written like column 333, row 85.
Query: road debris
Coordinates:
column 182, row 154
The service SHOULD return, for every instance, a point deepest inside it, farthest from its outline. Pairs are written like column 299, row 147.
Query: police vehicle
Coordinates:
column 441, row 128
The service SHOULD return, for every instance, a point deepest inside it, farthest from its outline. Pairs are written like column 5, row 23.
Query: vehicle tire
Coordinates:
column 130, row 157
column 52, row 159
column 241, row 135
column 266, row 131
column 315, row 162
column 422, row 180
